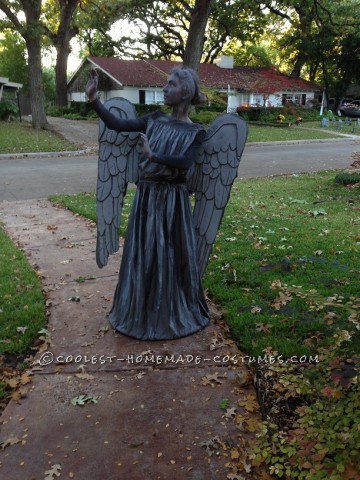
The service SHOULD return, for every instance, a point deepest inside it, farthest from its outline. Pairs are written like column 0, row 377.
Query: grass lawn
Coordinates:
column 306, row 131
column 333, row 127
column 18, row 137
column 22, row 310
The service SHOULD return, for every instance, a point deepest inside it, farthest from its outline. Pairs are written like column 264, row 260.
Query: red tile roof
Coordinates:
column 153, row 73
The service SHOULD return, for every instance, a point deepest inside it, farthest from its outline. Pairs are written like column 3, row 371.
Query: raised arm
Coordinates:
column 110, row 120
column 115, row 123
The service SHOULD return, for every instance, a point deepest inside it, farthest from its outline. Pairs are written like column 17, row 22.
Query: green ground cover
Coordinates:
column 353, row 129
column 18, row 137
column 267, row 133
column 22, row 313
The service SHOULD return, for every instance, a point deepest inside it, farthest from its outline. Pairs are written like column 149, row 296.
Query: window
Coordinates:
column 245, row 99
column 258, row 99
column 297, row 98
column 153, row 97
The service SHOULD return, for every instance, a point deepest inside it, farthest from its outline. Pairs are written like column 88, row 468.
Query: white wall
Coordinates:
column 234, row 99
column 129, row 93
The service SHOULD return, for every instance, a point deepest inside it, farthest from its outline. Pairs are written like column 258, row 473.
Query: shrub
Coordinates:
column 204, row 117
column 322, row 441
column 55, row 111
column 8, row 108
column 142, row 109
column 347, row 178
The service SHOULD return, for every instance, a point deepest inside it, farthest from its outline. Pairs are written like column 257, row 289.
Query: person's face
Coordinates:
column 173, row 92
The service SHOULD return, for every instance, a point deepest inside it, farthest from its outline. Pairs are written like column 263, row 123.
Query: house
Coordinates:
column 8, row 89
column 141, row 82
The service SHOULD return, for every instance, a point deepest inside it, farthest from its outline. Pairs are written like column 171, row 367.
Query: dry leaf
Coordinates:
column 250, row 403
column 212, row 379
column 243, row 377
column 55, row 471
column 230, row 413
column 255, row 309
column 234, row 454
column 10, row 441
column 252, row 424
column 263, row 327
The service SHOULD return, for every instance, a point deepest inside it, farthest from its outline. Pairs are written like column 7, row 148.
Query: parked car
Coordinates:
column 332, row 101
column 351, row 109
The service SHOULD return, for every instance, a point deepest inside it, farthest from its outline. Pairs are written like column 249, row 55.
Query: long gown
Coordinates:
column 159, row 294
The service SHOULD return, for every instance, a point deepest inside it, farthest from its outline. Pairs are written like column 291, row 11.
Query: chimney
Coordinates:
column 225, row 62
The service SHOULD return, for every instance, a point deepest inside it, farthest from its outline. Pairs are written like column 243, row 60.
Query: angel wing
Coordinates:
column 211, row 178
column 118, row 165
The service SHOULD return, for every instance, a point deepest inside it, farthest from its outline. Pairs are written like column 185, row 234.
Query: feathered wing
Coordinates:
column 118, row 164
column 211, row 178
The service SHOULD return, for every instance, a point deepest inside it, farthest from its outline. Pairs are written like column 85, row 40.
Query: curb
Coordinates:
column 93, row 150
column 65, row 153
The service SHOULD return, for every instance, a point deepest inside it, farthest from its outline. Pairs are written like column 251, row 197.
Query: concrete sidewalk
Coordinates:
column 157, row 415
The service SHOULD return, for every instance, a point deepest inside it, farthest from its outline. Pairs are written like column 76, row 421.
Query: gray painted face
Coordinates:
column 173, row 91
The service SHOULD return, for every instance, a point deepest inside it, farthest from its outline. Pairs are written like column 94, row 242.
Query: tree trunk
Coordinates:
column 196, row 35
column 299, row 63
column 61, row 76
column 37, row 99
column 61, row 41
column 32, row 35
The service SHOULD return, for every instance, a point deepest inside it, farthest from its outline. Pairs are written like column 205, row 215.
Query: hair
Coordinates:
column 190, row 84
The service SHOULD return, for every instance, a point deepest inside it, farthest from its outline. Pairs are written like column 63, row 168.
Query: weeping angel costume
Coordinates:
column 159, row 295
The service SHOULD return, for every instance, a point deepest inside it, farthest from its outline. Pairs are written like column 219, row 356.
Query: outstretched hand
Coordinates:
column 92, row 85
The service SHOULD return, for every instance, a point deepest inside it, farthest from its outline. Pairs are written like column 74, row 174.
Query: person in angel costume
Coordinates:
column 159, row 295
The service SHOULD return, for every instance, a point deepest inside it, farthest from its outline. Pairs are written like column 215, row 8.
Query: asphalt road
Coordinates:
column 34, row 177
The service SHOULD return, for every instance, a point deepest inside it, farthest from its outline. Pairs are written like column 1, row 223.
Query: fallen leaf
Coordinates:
column 10, row 441
column 256, row 309
column 235, row 476
column 55, row 471
column 263, row 327
column 21, row 329
column 243, row 377
column 252, row 424
column 212, row 379
column 230, row 413
column 250, row 403
column 83, row 399
column 234, row 454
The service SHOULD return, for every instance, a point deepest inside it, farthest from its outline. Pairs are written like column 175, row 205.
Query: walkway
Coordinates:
column 152, row 420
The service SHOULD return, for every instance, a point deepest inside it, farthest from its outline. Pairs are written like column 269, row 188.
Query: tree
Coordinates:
column 61, row 28
column 189, row 30
column 232, row 25
column 250, row 54
column 31, row 29
column 13, row 62
column 322, row 40
column 199, row 15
